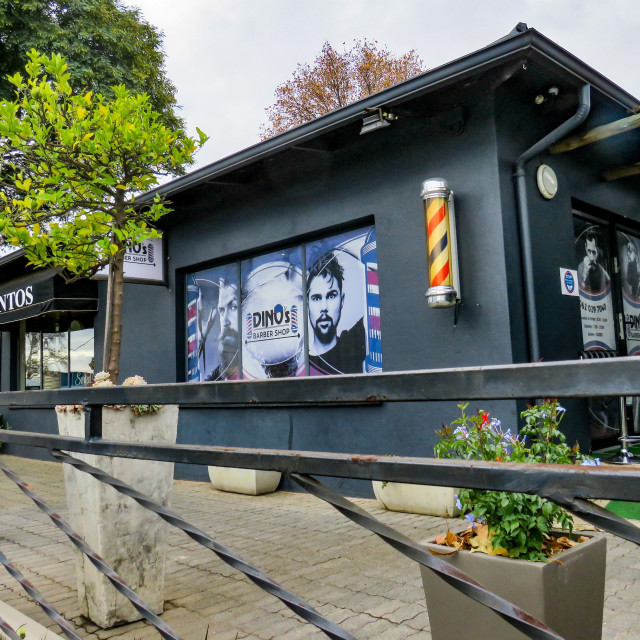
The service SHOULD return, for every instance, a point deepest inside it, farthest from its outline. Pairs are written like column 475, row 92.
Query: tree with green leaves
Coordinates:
column 335, row 79
column 105, row 44
column 73, row 164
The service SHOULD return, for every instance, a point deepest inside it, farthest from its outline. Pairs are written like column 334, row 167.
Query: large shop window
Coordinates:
column 608, row 258
column 311, row 309
column 57, row 352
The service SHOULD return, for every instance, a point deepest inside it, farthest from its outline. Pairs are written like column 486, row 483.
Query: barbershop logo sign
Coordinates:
column 16, row 299
column 272, row 324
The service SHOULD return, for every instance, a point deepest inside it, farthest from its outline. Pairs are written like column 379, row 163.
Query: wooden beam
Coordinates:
column 599, row 133
column 622, row 172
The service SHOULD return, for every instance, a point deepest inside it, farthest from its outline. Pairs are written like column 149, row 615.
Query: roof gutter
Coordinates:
column 522, row 205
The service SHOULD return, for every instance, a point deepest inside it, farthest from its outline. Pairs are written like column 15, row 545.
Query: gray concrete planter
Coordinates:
column 131, row 539
column 416, row 498
column 251, row 482
column 567, row 595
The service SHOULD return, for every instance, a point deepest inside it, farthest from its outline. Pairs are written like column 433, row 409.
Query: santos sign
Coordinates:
column 16, row 299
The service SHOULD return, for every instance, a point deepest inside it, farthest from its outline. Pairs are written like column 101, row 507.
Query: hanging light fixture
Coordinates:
column 376, row 119
column 442, row 254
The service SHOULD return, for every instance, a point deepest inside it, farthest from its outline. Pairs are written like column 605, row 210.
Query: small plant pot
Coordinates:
column 251, row 482
column 416, row 498
column 566, row 593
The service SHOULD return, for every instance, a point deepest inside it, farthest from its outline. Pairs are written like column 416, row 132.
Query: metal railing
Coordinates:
column 569, row 486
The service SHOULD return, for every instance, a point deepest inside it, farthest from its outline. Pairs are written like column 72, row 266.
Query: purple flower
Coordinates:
column 471, row 519
column 461, row 433
column 458, row 503
column 591, row 462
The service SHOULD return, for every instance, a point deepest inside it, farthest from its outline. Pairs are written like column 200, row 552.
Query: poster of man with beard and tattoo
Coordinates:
column 629, row 252
column 343, row 306
column 272, row 306
column 212, row 325
column 596, row 300
column 597, row 316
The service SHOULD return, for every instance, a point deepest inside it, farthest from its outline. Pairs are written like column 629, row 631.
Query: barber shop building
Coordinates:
column 484, row 212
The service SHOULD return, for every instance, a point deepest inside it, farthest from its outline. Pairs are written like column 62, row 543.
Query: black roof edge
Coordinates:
column 11, row 257
column 495, row 54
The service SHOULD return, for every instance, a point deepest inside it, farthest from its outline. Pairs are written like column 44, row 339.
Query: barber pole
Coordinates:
column 442, row 257
column 193, row 293
column 369, row 257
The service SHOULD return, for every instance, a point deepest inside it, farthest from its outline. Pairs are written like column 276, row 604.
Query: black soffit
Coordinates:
column 43, row 292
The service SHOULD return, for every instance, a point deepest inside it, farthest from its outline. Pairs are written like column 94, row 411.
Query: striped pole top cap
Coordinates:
column 435, row 188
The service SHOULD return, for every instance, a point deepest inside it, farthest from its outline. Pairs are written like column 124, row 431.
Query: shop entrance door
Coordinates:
column 608, row 258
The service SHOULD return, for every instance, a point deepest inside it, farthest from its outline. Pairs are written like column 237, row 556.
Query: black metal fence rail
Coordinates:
column 567, row 485
column 564, row 379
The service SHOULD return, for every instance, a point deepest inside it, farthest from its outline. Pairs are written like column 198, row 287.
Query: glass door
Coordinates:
column 628, row 247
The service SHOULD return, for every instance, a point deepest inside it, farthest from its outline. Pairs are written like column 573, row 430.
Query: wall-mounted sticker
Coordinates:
column 342, row 299
column 272, row 331
column 596, row 300
column 212, row 325
column 629, row 252
column 569, row 282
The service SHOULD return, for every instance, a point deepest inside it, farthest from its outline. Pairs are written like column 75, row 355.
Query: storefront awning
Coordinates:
column 42, row 292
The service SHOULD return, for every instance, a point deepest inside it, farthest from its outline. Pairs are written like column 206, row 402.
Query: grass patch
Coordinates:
column 629, row 510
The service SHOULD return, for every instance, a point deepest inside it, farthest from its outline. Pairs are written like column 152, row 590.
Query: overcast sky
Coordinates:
column 227, row 56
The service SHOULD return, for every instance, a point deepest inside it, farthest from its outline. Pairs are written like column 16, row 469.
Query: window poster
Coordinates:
column 212, row 325
column 343, row 304
column 594, row 282
column 272, row 307
column 250, row 319
column 629, row 252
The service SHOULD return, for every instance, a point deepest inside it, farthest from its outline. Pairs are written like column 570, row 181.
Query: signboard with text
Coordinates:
column 143, row 262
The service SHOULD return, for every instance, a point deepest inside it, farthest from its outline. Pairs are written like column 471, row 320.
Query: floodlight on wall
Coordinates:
column 376, row 119
column 442, row 254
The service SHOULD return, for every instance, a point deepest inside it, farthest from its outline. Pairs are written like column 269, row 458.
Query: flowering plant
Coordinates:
column 517, row 524
column 103, row 379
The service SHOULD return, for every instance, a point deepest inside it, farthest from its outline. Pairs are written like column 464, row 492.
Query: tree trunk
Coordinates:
column 113, row 327
column 115, row 292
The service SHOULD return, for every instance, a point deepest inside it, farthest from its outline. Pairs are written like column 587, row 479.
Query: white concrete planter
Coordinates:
column 131, row 539
column 252, row 482
column 32, row 629
column 417, row 498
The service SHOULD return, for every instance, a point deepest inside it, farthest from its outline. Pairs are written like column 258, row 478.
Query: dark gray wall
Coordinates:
column 306, row 194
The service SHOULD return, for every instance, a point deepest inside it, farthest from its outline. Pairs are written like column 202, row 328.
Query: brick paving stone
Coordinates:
column 357, row 622
column 419, row 622
column 386, row 607
column 408, row 612
column 384, row 629
column 333, row 613
column 302, row 632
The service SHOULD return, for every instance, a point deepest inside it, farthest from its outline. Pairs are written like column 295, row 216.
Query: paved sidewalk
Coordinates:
column 347, row 573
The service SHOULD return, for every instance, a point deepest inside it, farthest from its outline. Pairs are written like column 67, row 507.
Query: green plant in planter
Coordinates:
column 519, row 524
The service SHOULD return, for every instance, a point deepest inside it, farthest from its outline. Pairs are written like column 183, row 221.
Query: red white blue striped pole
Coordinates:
column 441, row 251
